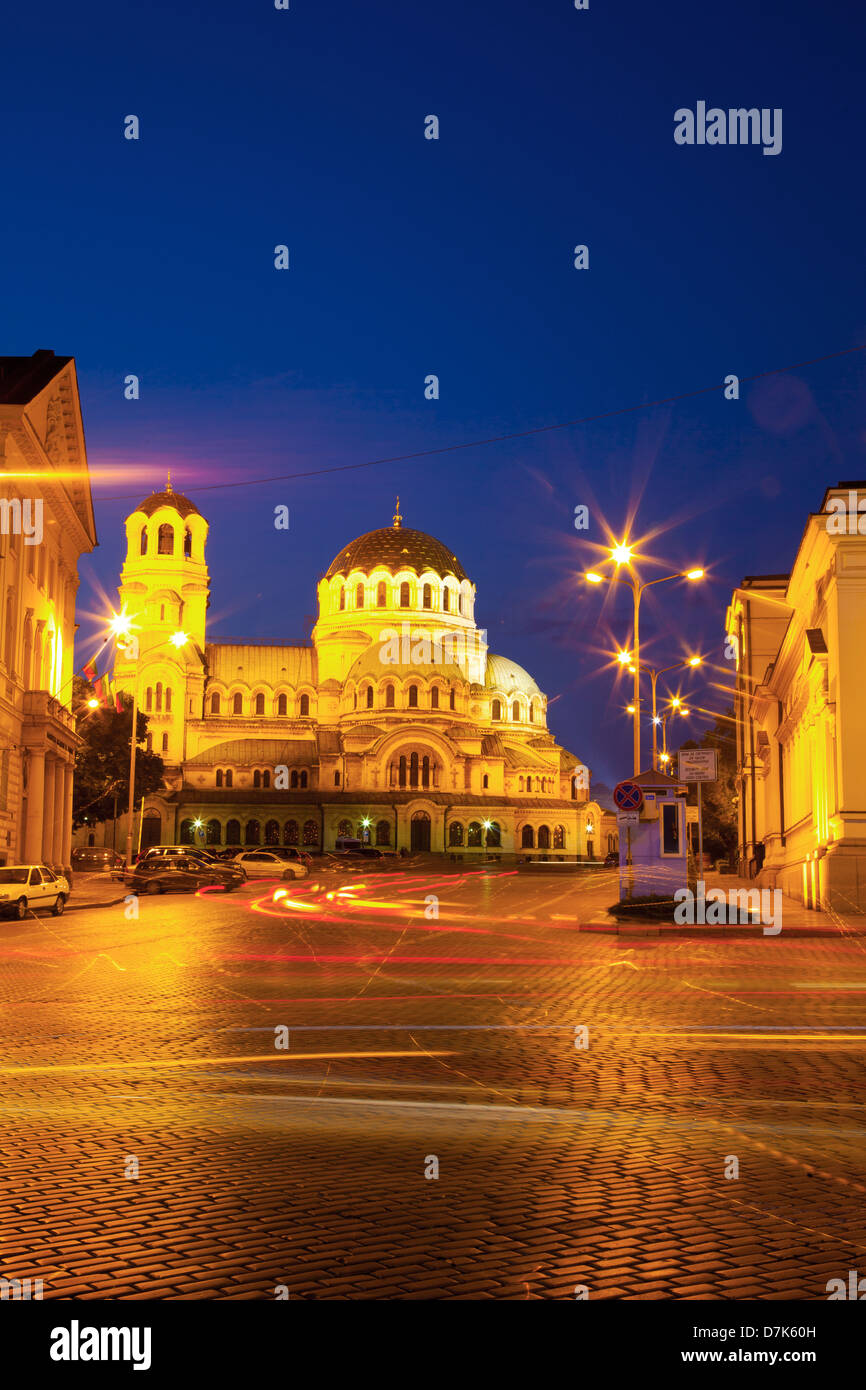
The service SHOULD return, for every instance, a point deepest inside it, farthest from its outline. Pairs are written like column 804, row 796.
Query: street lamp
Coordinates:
column 121, row 625
column 621, row 556
column 693, row 661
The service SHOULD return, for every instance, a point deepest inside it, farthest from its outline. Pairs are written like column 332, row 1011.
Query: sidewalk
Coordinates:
column 796, row 919
column 95, row 890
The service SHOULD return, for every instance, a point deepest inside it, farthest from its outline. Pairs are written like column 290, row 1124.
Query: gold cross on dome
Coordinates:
column 397, row 517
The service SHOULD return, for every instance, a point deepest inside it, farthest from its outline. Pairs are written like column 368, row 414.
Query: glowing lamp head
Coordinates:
column 93, row 704
column 487, row 824
column 623, row 658
column 366, row 821
column 178, row 639
column 694, row 574
column 695, row 660
column 120, row 624
column 664, row 757
column 676, row 702
column 657, row 719
column 592, row 578
column 621, row 554
column 630, row 709
column 197, row 824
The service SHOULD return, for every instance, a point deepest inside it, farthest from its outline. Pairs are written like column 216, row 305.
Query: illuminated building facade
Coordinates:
column 393, row 723
column 801, row 713
column 46, row 524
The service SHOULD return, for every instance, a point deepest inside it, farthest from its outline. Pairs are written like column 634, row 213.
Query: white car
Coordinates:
column 24, row 887
column 260, row 863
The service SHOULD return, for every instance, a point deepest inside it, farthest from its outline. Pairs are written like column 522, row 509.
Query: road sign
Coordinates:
column 691, row 815
column 697, row 765
column 628, row 796
column 628, row 817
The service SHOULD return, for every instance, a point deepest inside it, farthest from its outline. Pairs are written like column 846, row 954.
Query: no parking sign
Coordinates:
column 628, row 796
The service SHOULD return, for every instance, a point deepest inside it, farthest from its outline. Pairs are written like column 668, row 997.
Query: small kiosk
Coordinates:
column 653, row 853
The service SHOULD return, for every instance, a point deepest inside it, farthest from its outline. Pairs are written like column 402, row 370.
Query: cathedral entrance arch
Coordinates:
column 420, row 831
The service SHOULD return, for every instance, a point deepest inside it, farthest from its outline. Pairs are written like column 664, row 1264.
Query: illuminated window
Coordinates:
column 305, row 706
column 404, row 595
column 311, row 832
column 214, row 832
column 381, row 594
column 473, row 839
column 494, row 837
column 455, row 833
column 272, row 832
column 165, row 540
column 558, row 837
column 359, row 596
column 253, row 835
column 290, row 832
column 427, row 599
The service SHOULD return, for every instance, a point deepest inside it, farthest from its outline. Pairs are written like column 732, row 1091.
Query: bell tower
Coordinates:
column 165, row 590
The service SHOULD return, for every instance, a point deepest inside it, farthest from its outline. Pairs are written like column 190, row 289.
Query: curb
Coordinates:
column 606, row 927
column 87, row 907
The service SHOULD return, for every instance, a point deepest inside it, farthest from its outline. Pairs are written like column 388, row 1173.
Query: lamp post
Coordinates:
column 121, row 625
column 621, row 555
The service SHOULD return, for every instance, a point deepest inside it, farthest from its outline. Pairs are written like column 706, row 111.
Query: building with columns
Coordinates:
column 798, row 639
column 46, row 524
column 393, row 723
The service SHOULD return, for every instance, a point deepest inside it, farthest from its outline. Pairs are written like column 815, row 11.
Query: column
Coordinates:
column 66, row 820
column 47, row 853
column 35, row 803
column 57, row 819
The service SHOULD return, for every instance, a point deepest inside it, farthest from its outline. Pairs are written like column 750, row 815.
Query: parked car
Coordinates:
column 179, row 873
column 265, row 863
column 93, row 858
column 24, row 887
column 611, row 860
column 297, row 856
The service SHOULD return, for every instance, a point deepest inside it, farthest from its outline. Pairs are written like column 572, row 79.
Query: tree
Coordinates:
column 102, row 762
column 719, row 799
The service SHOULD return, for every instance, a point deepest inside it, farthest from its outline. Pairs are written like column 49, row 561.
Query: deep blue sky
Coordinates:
column 411, row 256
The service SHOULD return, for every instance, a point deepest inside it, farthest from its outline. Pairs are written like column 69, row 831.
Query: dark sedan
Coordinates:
column 182, row 875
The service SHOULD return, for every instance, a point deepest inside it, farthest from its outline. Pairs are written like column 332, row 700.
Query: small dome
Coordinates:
column 176, row 500
column 395, row 548
column 505, row 675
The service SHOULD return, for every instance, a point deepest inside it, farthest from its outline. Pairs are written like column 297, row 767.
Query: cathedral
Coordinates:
column 393, row 723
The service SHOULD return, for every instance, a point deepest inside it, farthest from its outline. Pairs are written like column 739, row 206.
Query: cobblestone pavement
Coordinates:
column 151, row 1042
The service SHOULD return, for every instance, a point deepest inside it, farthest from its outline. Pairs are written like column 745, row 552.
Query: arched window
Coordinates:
column 257, row 778
column 165, row 540
column 389, row 697
column 434, row 697
column 311, row 832
column 369, row 697
column 496, row 710
column 162, row 612
column 290, row 832
column 520, row 784
column 446, row 599
column 186, row 832
column 272, row 832
column 527, row 839
column 214, row 832
column 187, row 543
column 168, row 699
column 304, row 778
column 413, row 697
column 455, row 833
column 427, row 598
column 404, row 595
column 345, row 828
column 383, row 833
column 282, row 705
column 215, row 703
column 558, row 837
column 485, row 781
column 413, row 769
column 219, row 776
column 253, row 834
column 342, row 598
column 294, row 780
column 165, row 743
column 238, row 703
column 158, row 696
column 266, row 778
column 359, row 596
column 304, row 706
column 381, row 594
column 233, row 832
column 402, row 771
column 473, row 839
column 451, row 700
column 148, row 700
column 425, row 771
column 336, row 779
column 515, row 710
column 143, row 543
column 494, row 836
column 532, row 713
column 228, row 777
column 260, row 703
column 460, row 604
column 529, row 784
column 543, row 837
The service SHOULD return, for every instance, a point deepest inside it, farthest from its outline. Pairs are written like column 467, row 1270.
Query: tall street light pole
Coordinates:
column 621, row 555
